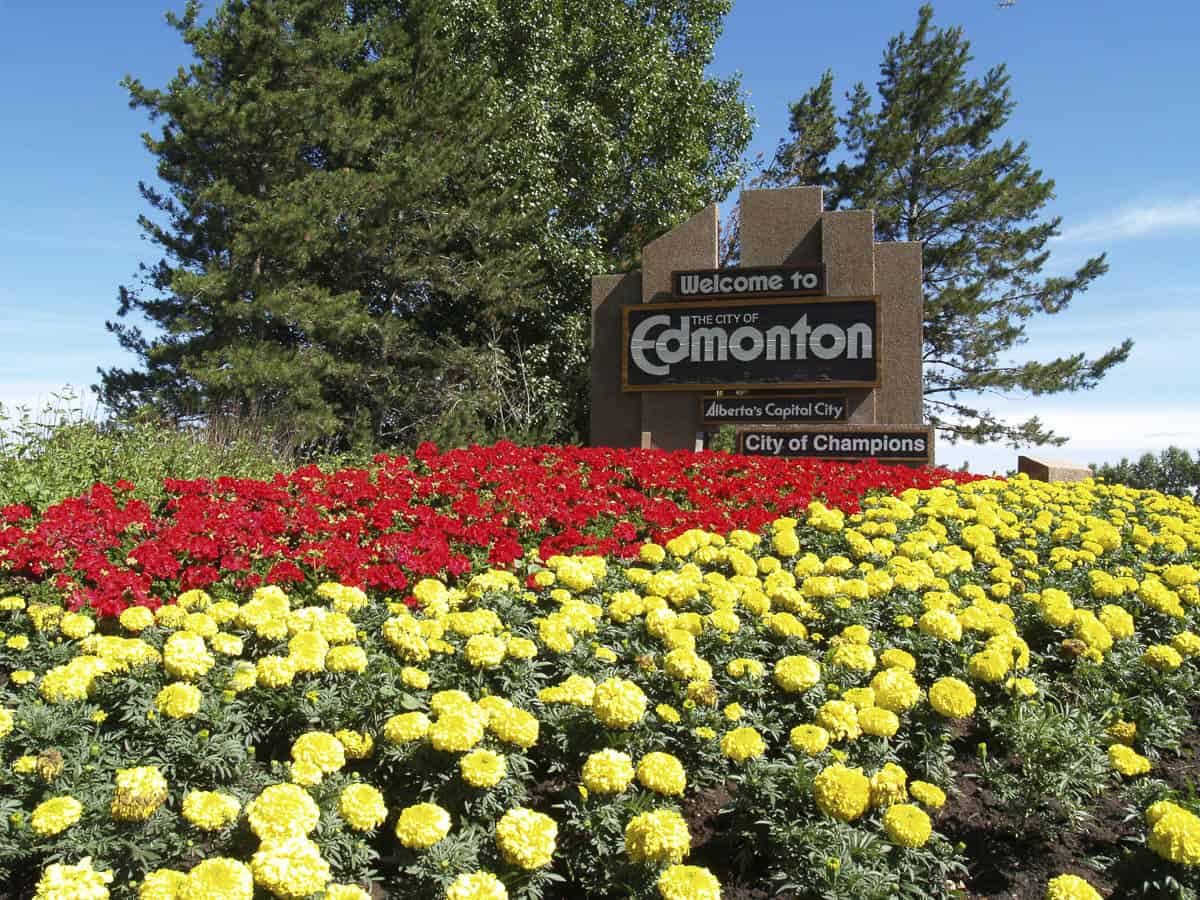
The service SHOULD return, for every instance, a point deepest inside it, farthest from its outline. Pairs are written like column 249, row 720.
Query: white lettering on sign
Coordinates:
column 693, row 284
column 654, row 346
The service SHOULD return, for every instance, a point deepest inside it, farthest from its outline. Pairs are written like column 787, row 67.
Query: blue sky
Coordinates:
column 1105, row 98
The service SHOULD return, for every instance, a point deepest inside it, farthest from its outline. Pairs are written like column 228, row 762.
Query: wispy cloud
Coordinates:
column 1138, row 221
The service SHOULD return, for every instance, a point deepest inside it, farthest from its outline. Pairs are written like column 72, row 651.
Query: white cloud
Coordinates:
column 1138, row 221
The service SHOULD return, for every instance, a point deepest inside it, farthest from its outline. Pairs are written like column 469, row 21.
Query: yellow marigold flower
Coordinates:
column 53, row 816
column 927, row 794
column 809, row 739
column 1070, row 887
column 514, row 726
column 952, row 698
column 80, row 881
column 275, row 671
column 989, row 666
column 684, row 665
column 1175, row 834
column 842, row 793
column 140, row 791
column 657, row 836
column 282, row 810
column 907, row 825
column 889, row 785
column 895, row 689
column 346, row 892
column 348, row 658
column 422, row 825
column 163, row 884
column 878, row 722
column 76, row 625
column 455, row 731
column 839, row 719
column 1021, row 687
column 894, row 658
column 290, row 867
column 450, row 700
column 861, row 697
column 1187, row 643
column 412, row 677
column 210, row 810
column 608, row 771
column 25, row 765
column 1162, row 658
column 526, row 838
column 362, row 807
column 733, row 711
column 859, row 657
column 226, row 644
column 477, row 885
column 680, row 882
column 178, row 700
column 618, row 703
column 941, row 624
column 409, row 726
column 524, row 648
column 704, row 733
column 220, row 878
column 483, row 768
column 485, row 651
column 742, row 744
column 321, row 749
column 796, row 674
column 6, row 722
column 17, row 642
column 186, row 656
column 662, row 773
column 745, row 668
column 667, row 713
column 1118, row 622
column 1127, row 761
column 1122, row 731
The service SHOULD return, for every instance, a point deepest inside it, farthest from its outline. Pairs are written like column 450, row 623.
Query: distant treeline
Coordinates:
column 1173, row 471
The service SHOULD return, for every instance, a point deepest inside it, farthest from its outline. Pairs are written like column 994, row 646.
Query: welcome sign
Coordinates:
column 742, row 344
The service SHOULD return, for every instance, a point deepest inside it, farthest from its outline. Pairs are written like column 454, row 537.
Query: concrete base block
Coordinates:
column 1052, row 469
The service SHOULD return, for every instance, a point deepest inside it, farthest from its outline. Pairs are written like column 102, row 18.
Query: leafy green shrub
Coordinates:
column 65, row 449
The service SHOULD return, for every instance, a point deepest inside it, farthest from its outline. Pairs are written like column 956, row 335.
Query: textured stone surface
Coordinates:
column 1052, row 469
column 616, row 416
column 781, row 227
column 898, row 282
column 673, row 418
column 847, row 249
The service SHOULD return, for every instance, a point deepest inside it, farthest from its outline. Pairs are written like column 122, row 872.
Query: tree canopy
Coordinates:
column 928, row 156
column 378, row 219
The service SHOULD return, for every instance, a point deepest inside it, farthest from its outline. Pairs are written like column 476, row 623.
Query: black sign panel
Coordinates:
column 895, row 444
column 780, row 408
column 738, row 344
column 774, row 281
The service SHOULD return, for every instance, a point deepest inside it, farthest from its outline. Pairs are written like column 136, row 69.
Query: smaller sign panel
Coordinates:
column 774, row 281
column 780, row 408
column 897, row 443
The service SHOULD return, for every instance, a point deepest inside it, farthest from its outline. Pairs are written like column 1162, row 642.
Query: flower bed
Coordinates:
column 436, row 514
column 808, row 707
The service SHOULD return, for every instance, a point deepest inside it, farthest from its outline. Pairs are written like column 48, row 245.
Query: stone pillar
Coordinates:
column 847, row 249
column 901, row 326
column 673, row 417
column 781, row 227
column 616, row 415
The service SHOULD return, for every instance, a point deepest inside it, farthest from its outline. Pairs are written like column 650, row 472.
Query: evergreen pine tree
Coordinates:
column 929, row 161
column 379, row 218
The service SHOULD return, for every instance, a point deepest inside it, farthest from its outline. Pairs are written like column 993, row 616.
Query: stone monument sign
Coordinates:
column 812, row 348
